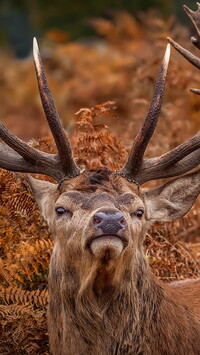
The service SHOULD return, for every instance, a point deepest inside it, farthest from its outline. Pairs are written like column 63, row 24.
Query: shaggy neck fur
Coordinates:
column 115, row 311
column 100, row 313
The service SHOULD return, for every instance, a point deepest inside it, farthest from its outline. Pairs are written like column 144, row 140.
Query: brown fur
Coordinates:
column 116, row 306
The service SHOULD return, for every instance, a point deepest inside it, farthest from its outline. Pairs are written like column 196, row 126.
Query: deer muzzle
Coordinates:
column 108, row 240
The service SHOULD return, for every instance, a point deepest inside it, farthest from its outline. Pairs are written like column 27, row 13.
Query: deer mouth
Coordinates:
column 110, row 246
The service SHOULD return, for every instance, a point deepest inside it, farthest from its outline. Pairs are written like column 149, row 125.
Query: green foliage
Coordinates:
column 71, row 16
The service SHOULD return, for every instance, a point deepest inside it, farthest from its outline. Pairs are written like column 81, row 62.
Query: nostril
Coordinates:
column 122, row 221
column 97, row 219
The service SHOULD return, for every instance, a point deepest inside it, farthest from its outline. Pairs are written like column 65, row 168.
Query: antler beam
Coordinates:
column 135, row 159
column 57, row 130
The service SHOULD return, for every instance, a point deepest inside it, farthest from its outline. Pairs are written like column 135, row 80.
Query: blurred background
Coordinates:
column 60, row 20
column 94, row 51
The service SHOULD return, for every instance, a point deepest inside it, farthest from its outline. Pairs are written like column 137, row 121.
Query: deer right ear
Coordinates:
column 42, row 191
column 173, row 199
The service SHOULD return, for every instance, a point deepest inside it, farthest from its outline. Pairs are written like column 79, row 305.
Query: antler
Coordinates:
column 132, row 167
column 180, row 159
column 21, row 157
column 195, row 18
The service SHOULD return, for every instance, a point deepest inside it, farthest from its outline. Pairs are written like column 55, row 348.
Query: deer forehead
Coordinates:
column 93, row 189
column 93, row 201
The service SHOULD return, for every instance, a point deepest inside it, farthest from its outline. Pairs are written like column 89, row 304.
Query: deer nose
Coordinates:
column 109, row 222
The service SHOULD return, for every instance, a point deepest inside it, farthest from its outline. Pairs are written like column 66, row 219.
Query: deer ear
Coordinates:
column 173, row 199
column 43, row 191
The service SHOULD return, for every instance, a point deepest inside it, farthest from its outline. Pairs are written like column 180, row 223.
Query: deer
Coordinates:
column 103, row 297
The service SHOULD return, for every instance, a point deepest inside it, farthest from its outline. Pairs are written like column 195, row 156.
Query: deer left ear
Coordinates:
column 173, row 199
column 43, row 191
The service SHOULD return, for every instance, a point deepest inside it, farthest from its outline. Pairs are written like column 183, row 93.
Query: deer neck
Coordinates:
column 109, row 298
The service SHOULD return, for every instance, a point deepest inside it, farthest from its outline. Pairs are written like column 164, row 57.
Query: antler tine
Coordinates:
column 47, row 164
column 151, row 171
column 173, row 163
column 58, row 132
column 135, row 159
column 22, row 148
column 195, row 18
column 20, row 156
column 187, row 155
column 185, row 53
column 195, row 91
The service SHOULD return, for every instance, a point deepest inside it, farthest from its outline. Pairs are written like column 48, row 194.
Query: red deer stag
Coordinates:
column 104, row 298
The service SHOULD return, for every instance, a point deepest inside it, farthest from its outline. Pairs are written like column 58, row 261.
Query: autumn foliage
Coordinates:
column 121, row 67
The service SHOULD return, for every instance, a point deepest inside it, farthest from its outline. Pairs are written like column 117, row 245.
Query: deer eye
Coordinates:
column 60, row 211
column 138, row 213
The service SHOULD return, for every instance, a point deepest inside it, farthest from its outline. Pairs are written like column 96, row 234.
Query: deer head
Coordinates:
column 98, row 218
